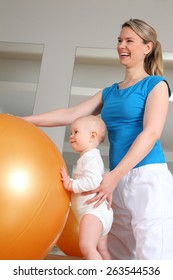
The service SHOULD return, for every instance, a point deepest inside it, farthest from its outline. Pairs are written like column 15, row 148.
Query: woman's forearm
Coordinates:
column 65, row 116
column 59, row 117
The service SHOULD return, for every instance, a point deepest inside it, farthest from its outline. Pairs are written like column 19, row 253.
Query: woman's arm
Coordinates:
column 62, row 117
column 154, row 119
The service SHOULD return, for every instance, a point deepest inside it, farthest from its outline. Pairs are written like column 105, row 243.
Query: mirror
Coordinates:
column 96, row 68
column 20, row 65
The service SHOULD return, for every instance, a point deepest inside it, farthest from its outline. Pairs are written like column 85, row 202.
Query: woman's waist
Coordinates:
column 156, row 155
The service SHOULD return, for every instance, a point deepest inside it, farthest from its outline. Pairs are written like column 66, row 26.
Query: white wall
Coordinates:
column 62, row 25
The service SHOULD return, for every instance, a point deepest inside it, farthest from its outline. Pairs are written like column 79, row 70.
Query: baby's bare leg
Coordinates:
column 90, row 229
column 102, row 248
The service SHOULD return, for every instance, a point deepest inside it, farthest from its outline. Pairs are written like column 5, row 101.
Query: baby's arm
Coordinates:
column 67, row 181
column 89, row 179
column 90, row 176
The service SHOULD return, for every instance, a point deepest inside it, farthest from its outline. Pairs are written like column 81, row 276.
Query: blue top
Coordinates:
column 123, row 112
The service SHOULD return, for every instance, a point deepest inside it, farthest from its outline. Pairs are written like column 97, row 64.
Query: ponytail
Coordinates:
column 153, row 62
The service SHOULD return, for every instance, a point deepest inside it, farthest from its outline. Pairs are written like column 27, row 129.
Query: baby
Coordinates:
column 94, row 223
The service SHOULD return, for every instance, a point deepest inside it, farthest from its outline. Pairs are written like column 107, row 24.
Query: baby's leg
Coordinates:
column 90, row 229
column 102, row 248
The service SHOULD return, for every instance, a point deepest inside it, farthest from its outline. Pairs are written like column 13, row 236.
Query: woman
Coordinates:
column 134, row 111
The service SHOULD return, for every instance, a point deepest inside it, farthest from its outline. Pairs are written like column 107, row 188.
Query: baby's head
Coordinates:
column 87, row 132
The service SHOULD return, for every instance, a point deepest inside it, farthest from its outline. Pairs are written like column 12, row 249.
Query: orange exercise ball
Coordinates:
column 33, row 202
column 68, row 241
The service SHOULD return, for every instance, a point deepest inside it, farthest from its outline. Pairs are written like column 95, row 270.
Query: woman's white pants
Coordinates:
column 143, row 215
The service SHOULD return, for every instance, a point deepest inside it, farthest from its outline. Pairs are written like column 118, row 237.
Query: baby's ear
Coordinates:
column 93, row 135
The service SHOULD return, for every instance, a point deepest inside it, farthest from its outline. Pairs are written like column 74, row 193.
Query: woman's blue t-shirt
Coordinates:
column 123, row 112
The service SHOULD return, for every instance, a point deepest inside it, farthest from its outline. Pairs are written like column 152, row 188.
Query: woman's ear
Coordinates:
column 148, row 48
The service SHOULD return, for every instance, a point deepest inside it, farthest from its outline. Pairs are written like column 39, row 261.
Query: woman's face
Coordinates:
column 131, row 48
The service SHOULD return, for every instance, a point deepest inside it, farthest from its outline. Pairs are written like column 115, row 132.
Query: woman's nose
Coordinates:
column 122, row 45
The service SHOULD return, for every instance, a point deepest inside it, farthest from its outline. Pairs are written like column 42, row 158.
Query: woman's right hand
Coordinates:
column 104, row 191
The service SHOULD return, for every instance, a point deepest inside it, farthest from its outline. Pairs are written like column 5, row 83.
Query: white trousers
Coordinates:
column 143, row 215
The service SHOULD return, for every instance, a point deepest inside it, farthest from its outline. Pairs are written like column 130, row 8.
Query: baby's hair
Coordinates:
column 96, row 124
column 99, row 126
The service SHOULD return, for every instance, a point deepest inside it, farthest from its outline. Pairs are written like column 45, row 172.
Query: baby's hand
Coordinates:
column 67, row 182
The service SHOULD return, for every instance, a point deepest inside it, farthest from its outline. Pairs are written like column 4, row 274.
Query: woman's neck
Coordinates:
column 132, row 77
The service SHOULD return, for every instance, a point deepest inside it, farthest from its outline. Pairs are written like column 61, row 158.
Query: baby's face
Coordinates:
column 80, row 136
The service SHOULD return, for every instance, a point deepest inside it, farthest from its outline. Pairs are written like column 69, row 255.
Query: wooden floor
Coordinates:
column 60, row 257
column 56, row 254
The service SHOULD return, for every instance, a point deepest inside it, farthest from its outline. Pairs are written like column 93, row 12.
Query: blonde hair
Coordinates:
column 153, row 62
